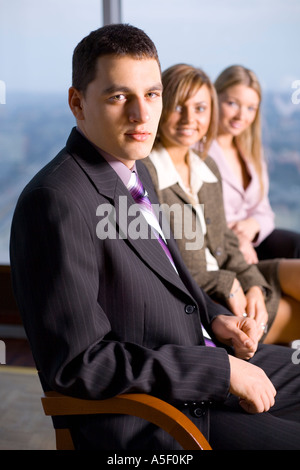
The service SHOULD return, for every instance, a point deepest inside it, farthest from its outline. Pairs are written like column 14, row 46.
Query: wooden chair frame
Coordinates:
column 150, row 408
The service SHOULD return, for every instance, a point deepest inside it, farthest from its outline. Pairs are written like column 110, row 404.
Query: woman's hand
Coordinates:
column 256, row 309
column 249, row 228
column 237, row 301
column 247, row 249
column 252, row 304
column 246, row 231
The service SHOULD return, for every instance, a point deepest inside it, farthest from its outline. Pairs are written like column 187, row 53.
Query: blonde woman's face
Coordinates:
column 238, row 107
column 188, row 123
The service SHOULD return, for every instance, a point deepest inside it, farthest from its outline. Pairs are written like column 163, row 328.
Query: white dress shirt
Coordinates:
column 199, row 174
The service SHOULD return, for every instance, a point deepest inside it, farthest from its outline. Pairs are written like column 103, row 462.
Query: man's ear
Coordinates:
column 75, row 103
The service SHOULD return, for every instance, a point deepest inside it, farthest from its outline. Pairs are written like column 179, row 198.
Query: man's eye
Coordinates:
column 153, row 94
column 119, row 97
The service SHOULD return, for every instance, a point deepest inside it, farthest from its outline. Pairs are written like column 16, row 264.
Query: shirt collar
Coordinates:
column 122, row 170
column 168, row 175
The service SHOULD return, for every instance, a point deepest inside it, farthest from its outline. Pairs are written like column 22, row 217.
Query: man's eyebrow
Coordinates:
column 117, row 89
column 157, row 86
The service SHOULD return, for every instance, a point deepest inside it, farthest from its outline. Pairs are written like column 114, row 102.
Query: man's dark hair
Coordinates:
column 113, row 39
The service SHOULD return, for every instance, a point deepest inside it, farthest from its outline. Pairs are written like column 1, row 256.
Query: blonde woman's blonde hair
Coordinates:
column 181, row 82
column 249, row 142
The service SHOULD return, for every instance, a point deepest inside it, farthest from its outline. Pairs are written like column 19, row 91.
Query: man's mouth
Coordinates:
column 139, row 136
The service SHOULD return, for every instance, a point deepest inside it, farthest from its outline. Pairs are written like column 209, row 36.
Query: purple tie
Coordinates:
column 208, row 341
column 140, row 197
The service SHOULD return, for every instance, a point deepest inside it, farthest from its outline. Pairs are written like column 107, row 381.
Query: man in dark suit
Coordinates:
column 107, row 314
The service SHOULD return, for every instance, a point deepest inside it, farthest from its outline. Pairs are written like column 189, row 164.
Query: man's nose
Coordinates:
column 138, row 111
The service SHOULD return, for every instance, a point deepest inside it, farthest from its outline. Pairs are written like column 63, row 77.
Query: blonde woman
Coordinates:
column 238, row 153
column 184, row 181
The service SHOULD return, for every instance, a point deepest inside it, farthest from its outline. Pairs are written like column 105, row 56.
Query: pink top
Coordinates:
column 240, row 203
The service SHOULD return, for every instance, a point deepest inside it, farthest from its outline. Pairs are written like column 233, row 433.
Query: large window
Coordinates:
column 37, row 39
column 258, row 34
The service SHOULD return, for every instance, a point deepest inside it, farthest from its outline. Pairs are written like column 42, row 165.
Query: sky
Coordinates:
column 37, row 37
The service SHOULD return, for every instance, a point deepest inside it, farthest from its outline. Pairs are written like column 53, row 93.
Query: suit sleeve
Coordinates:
column 56, row 283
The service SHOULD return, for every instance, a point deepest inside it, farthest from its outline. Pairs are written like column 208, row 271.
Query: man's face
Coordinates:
column 121, row 107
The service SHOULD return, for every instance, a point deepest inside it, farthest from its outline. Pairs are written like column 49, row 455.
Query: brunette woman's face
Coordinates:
column 238, row 107
column 189, row 122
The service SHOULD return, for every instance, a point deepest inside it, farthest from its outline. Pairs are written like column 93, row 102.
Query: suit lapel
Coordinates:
column 206, row 194
column 93, row 164
column 180, row 193
column 108, row 184
column 211, row 214
column 148, row 248
column 151, row 250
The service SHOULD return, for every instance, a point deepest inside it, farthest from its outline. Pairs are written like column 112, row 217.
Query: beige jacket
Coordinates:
column 220, row 240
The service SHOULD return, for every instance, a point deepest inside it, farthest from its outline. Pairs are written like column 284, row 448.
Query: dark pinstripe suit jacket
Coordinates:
column 106, row 316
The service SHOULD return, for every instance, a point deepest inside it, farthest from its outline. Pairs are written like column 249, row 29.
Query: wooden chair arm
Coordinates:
column 150, row 408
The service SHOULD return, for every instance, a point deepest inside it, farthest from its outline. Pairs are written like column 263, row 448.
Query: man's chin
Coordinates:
column 139, row 154
column 129, row 160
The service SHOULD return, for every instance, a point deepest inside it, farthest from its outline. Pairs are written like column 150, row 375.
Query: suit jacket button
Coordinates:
column 189, row 309
column 198, row 412
column 218, row 251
